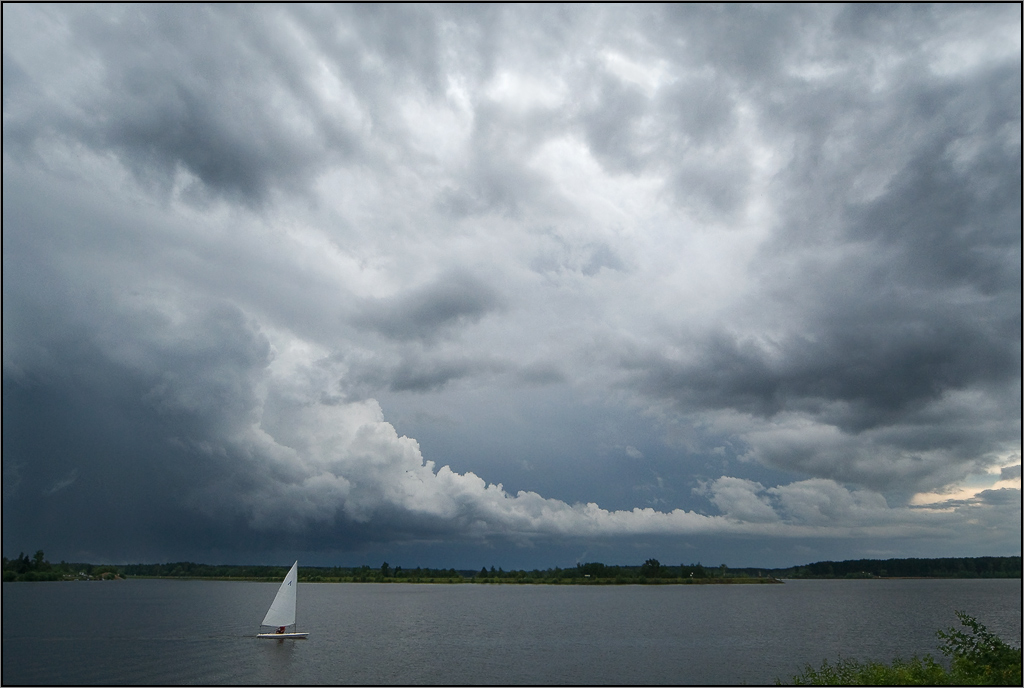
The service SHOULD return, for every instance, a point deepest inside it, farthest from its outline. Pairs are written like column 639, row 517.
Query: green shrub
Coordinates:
column 981, row 658
column 978, row 659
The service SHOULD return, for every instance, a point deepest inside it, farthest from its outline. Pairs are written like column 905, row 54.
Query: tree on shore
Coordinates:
column 651, row 569
column 35, row 569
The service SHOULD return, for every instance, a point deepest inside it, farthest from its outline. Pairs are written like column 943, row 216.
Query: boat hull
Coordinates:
column 281, row 636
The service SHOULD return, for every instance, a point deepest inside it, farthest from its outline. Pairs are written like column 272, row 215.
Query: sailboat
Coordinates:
column 282, row 611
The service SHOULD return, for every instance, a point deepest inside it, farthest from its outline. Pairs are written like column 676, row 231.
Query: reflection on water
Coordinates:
column 162, row 631
column 278, row 658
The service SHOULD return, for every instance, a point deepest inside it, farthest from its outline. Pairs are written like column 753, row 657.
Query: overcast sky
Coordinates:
column 520, row 286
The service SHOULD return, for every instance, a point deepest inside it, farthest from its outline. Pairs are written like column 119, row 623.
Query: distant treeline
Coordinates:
column 37, row 568
column 948, row 567
column 651, row 571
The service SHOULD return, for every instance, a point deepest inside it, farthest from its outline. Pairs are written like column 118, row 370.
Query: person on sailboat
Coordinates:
column 281, row 629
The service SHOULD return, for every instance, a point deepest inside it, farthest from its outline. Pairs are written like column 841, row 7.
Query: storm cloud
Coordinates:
column 452, row 301
column 359, row 279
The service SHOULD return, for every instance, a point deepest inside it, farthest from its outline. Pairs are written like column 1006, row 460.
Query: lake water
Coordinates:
column 181, row 632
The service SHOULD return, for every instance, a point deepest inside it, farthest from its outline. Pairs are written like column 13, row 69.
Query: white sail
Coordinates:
column 282, row 611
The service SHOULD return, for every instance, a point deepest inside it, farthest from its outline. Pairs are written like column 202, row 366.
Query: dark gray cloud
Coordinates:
column 743, row 44
column 450, row 302
column 612, row 125
column 179, row 90
column 1001, row 497
column 415, row 372
column 881, row 365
